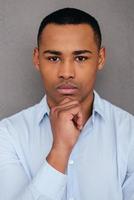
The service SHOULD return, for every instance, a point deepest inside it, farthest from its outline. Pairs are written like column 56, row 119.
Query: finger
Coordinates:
column 73, row 113
column 80, row 120
column 65, row 100
column 65, row 105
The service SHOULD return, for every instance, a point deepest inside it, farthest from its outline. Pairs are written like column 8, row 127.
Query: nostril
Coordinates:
column 66, row 74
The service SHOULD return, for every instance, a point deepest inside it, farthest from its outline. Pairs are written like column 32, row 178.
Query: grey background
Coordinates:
column 20, row 84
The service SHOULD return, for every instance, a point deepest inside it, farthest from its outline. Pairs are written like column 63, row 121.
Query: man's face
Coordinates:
column 68, row 59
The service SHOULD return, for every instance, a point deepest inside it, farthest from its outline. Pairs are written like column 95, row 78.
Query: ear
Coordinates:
column 36, row 58
column 102, row 58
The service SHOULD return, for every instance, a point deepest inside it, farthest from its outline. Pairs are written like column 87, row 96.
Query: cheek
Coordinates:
column 88, row 74
column 87, row 80
column 48, row 77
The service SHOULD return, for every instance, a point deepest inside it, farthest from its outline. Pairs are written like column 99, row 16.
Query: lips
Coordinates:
column 67, row 89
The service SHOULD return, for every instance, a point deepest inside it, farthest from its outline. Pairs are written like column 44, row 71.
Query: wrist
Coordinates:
column 62, row 148
column 58, row 158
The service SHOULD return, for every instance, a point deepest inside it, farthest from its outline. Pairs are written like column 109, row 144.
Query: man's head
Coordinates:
column 71, row 16
column 69, row 54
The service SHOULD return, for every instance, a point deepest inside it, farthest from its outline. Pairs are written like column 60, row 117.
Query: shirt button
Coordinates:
column 71, row 162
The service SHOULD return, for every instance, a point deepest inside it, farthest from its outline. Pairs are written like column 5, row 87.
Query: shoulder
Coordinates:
column 120, row 122
column 20, row 123
column 115, row 112
column 19, row 117
column 111, row 112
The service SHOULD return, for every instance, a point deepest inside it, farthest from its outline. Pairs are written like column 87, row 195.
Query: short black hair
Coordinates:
column 71, row 16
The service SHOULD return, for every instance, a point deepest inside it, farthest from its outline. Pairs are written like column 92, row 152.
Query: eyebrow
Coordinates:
column 52, row 52
column 58, row 53
column 81, row 52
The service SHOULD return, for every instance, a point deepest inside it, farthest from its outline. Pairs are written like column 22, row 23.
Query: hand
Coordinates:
column 66, row 123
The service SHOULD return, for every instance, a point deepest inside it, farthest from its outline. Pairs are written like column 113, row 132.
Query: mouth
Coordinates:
column 67, row 89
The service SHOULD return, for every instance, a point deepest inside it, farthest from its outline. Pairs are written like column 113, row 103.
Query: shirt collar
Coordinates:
column 42, row 109
column 98, row 107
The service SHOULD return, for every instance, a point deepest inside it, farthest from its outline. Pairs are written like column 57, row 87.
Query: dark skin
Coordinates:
column 68, row 59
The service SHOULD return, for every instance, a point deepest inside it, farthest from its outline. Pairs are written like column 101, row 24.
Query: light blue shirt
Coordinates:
column 101, row 165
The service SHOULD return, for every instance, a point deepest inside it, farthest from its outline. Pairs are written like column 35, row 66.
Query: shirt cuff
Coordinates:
column 50, row 182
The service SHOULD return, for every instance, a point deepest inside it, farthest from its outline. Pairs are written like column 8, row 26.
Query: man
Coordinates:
column 73, row 145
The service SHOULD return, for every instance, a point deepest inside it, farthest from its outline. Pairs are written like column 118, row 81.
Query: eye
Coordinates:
column 81, row 58
column 53, row 58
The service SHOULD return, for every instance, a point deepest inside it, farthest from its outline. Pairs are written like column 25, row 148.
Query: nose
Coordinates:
column 66, row 70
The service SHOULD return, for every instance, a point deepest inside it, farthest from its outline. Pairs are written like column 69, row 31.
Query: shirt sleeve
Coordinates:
column 128, row 185
column 48, row 183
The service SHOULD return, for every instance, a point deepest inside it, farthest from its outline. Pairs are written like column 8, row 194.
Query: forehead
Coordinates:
column 69, row 34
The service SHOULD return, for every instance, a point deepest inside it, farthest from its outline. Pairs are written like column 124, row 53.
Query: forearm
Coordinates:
column 47, row 184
